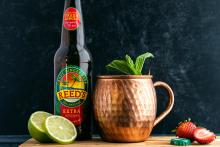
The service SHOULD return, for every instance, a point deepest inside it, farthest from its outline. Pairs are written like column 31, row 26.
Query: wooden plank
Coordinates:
column 156, row 141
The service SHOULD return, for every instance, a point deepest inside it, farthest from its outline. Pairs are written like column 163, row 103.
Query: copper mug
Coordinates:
column 125, row 107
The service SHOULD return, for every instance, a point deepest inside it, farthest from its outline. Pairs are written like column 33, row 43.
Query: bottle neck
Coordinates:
column 72, row 27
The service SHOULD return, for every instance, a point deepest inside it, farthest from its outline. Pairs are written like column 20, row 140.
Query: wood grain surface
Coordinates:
column 158, row 141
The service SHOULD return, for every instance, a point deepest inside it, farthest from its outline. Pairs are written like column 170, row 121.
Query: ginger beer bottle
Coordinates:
column 73, row 72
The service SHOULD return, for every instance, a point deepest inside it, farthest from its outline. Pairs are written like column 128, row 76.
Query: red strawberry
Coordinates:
column 203, row 136
column 185, row 129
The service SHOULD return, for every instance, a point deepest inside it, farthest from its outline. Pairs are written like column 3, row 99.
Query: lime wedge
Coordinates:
column 36, row 126
column 60, row 129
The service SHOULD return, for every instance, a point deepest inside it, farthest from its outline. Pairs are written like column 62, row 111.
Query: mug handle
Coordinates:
column 170, row 104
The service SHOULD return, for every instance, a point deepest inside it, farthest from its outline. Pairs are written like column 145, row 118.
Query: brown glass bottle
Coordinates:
column 73, row 72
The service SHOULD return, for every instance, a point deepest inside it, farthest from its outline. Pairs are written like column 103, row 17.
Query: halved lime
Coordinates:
column 35, row 126
column 60, row 129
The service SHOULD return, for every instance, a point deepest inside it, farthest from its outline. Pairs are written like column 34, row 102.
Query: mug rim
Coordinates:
column 125, row 77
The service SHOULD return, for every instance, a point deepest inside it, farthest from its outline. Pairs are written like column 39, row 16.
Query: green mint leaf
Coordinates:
column 139, row 63
column 129, row 61
column 119, row 65
column 127, row 66
column 131, row 65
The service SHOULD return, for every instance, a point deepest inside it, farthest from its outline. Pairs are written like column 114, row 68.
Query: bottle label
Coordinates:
column 71, row 18
column 71, row 93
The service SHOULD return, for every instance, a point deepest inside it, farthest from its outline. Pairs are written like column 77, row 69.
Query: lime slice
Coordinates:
column 60, row 129
column 36, row 126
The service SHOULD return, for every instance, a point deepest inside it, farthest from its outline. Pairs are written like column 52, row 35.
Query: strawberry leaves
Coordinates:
column 128, row 66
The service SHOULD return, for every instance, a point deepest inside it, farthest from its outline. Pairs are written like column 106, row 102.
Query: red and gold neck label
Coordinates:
column 71, row 18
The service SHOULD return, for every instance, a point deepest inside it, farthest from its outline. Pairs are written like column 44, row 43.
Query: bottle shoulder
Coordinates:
column 64, row 51
column 85, row 53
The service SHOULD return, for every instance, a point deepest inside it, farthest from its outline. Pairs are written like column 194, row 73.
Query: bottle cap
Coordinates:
column 180, row 141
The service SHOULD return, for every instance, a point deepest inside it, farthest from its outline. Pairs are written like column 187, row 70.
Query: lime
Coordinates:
column 35, row 126
column 60, row 129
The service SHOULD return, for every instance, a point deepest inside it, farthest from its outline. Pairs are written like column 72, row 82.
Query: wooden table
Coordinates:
column 156, row 141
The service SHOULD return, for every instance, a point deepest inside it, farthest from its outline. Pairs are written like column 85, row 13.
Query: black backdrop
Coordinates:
column 184, row 36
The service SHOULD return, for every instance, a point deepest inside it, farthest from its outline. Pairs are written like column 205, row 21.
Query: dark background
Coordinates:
column 183, row 35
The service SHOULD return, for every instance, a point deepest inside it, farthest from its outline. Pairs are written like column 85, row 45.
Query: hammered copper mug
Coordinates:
column 125, row 107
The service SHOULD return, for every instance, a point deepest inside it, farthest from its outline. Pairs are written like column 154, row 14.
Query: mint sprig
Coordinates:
column 128, row 66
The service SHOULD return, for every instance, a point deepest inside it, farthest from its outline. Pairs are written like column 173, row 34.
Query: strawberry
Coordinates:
column 185, row 129
column 203, row 136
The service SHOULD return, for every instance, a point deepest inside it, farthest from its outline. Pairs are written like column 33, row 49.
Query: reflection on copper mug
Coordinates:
column 125, row 107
